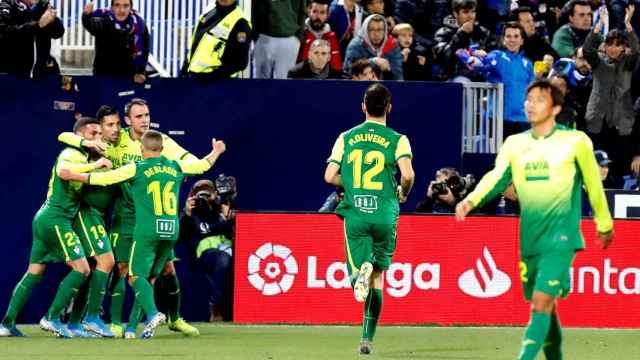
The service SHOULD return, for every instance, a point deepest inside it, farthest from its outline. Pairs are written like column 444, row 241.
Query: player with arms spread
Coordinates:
column 364, row 161
column 155, row 183
column 548, row 166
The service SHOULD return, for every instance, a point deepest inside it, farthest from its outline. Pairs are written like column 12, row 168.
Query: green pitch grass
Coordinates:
column 220, row 342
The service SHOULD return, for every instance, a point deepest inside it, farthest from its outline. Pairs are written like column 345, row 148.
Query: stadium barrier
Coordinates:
column 290, row 268
column 482, row 117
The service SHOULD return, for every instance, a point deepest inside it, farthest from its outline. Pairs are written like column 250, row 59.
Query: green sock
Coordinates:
column 135, row 316
column 553, row 343
column 19, row 297
column 118, row 292
column 534, row 335
column 144, row 295
column 96, row 292
column 171, row 293
column 67, row 290
column 79, row 304
column 372, row 309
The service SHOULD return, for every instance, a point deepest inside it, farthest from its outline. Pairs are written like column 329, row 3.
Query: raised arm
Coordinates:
column 199, row 166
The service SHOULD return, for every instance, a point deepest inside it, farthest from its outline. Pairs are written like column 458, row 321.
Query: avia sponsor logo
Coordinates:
column 485, row 280
column 400, row 277
column 606, row 279
column 272, row 269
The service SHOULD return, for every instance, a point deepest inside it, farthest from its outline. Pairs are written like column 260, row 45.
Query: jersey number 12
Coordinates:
column 365, row 181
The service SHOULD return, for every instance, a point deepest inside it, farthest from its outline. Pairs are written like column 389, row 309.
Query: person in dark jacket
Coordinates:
column 122, row 39
column 461, row 32
column 416, row 62
column 26, row 30
column 536, row 45
column 572, row 35
column 220, row 44
column 318, row 65
column 610, row 117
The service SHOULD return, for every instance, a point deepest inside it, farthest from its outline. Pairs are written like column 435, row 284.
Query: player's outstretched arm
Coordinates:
column 218, row 147
column 407, row 178
column 100, row 178
column 77, row 141
column 588, row 166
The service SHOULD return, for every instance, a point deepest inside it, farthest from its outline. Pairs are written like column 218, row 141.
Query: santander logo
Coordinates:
column 272, row 269
column 486, row 280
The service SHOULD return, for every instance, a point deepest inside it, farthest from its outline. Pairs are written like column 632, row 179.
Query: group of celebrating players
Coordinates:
column 142, row 192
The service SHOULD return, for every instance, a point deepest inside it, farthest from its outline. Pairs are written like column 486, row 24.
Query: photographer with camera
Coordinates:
column 207, row 227
column 26, row 30
column 445, row 191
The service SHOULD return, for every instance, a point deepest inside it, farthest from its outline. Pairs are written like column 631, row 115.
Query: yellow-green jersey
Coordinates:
column 63, row 197
column 548, row 174
column 156, row 187
column 367, row 155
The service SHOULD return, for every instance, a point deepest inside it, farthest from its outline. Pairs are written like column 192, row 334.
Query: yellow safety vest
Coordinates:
column 208, row 54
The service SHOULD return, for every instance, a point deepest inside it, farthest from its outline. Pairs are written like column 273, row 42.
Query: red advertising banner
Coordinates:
column 290, row 268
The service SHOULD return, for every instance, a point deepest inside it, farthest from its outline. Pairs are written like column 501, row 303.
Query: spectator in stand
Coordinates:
column 316, row 27
column 579, row 77
column 122, row 40
column 345, row 19
column 220, row 44
column 610, row 117
column 461, row 32
column 515, row 71
column 603, row 162
column 573, row 34
column 25, row 37
column 278, row 27
column 568, row 114
column 415, row 61
column 425, row 16
column 375, row 44
column 361, row 69
column 378, row 7
column 317, row 66
column 536, row 46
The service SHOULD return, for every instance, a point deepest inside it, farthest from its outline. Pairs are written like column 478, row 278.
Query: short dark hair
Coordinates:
column 152, row 140
column 377, row 98
column 83, row 121
column 458, row 5
column 514, row 25
column 358, row 66
column 615, row 37
column 562, row 76
column 544, row 84
column 515, row 13
column 132, row 102
column 106, row 110
column 571, row 6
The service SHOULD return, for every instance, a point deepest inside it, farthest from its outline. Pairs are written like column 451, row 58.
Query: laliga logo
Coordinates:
column 492, row 282
column 272, row 269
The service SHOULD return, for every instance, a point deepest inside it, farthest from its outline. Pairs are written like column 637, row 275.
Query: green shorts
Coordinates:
column 53, row 239
column 364, row 242
column 148, row 257
column 89, row 225
column 547, row 273
column 122, row 237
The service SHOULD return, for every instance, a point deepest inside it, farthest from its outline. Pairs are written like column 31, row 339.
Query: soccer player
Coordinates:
column 124, row 150
column 54, row 239
column 364, row 161
column 155, row 184
column 90, row 226
column 548, row 166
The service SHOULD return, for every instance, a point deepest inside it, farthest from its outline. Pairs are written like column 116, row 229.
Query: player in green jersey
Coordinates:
column 364, row 161
column 548, row 166
column 90, row 226
column 124, row 150
column 54, row 239
column 155, row 184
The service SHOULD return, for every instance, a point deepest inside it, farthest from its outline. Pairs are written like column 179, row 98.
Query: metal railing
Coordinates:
column 170, row 23
column 482, row 117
